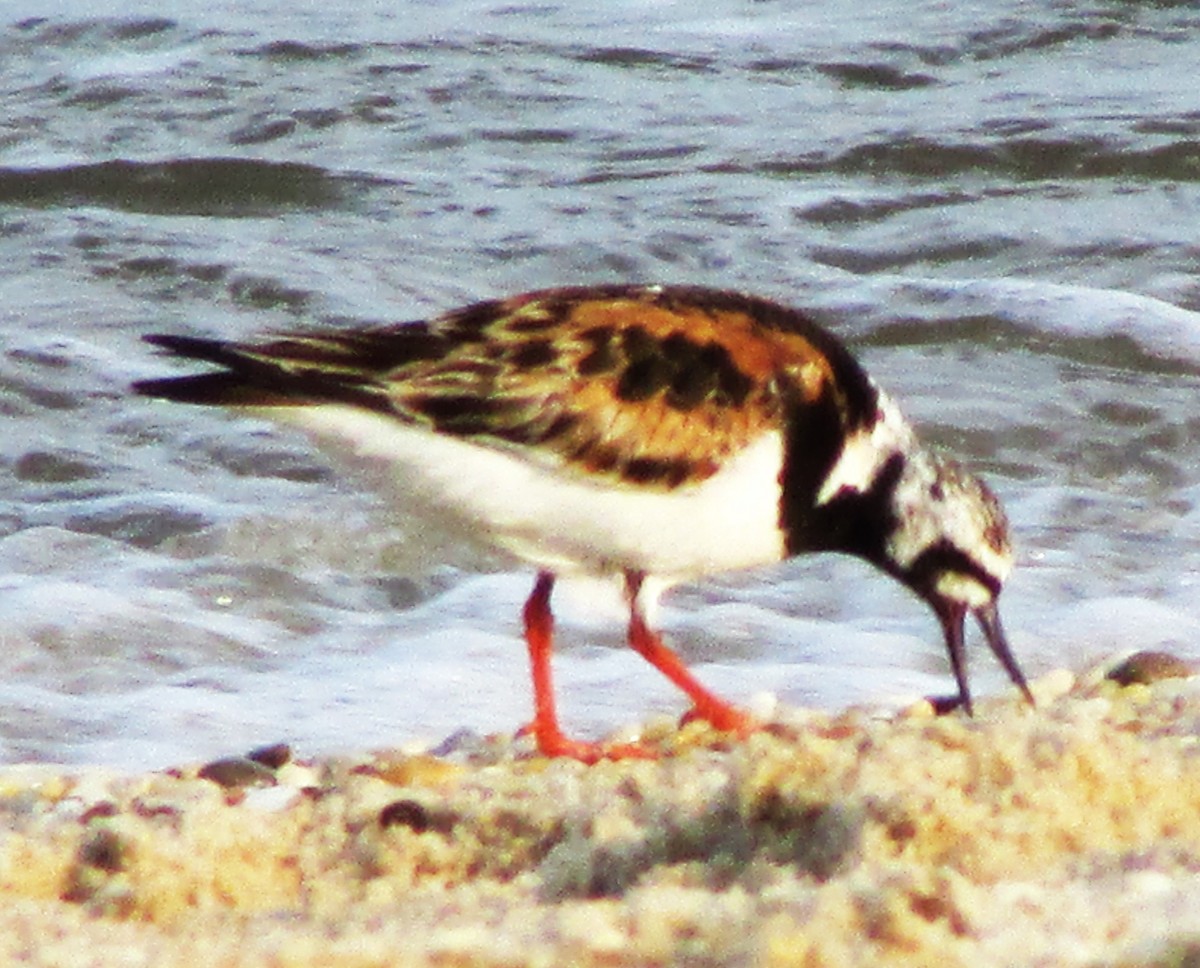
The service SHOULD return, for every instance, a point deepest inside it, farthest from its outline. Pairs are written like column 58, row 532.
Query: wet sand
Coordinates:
column 1063, row 835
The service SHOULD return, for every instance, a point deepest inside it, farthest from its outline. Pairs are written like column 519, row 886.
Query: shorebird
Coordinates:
column 653, row 433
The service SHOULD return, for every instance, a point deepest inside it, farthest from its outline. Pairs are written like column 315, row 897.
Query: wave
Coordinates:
column 185, row 186
column 1066, row 318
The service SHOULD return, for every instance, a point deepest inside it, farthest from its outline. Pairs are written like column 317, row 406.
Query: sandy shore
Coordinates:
column 1065, row 835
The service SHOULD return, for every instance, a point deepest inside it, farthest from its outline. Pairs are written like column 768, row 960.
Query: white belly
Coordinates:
column 560, row 521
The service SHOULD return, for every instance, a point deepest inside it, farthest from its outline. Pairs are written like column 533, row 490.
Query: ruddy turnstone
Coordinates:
column 655, row 433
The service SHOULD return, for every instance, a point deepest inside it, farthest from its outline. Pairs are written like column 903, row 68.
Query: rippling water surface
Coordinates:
column 995, row 203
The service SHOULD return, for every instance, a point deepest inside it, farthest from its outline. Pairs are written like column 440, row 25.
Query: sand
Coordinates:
column 1068, row 834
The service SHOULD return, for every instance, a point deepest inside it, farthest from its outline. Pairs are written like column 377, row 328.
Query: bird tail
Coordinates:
column 249, row 378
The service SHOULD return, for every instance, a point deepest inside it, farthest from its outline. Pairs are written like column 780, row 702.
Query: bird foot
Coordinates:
column 551, row 742
column 725, row 718
column 944, row 705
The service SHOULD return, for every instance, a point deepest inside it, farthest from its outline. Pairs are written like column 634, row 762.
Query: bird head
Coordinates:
column 949, row 543
column 926, row 521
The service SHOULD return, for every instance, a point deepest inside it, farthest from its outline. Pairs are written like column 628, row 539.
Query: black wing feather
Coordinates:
column 251, row 381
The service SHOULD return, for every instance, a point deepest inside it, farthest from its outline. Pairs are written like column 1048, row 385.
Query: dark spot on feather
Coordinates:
column 860, row 395
column 681, row 350
column 687, row 372
column 417, row 347
column 597, row 335
column 636, row 344
column 375, row 351
column 650, row 367
column 461, row 413
column 694, row 378
column 537, row 432
column 656, row 470
column 602, row 358
column 733, row 386
column 532, row 323
column 560, row 426
column 690, row 388
column 643, row 378
column 597, row 458
column 534, row 353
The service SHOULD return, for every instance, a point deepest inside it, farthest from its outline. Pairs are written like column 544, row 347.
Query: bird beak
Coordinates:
column 952, row 625
column 988, row 615
column 989, row 620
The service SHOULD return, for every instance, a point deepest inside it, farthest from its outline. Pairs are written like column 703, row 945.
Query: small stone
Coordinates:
column 102, row 850
column 155, row 809
column 763, row 706
column 416, row 816
column 271, row 799
column 273, row 756
column 99, row 811
column 236, row 772
column 428, row 771
column 467, row 746
column 298, row 775
column 1053, row 685
column 1143, row 668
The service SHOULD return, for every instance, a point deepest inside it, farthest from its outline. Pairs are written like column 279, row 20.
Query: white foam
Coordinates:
column 1059, row 311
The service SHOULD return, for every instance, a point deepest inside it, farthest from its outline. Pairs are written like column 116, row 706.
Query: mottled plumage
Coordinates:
column 659, row 433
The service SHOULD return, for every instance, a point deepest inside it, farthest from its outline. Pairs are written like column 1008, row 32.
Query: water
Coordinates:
column 995, row 203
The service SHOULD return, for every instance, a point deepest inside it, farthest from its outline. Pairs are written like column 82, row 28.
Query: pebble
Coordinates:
column 1053, row 685
column 273, row 756
column 1143, row 668
column 272, row 799
column 416, row 816
column 237, row 772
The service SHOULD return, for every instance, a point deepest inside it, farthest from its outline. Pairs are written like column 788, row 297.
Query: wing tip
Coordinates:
column 204, row 388
column 191, row 347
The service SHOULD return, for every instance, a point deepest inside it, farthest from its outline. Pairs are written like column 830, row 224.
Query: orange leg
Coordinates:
column 649, row 645
column 539, row 636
